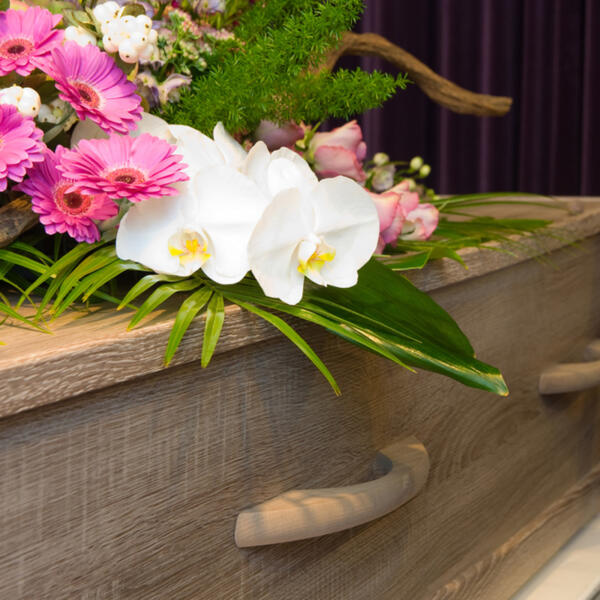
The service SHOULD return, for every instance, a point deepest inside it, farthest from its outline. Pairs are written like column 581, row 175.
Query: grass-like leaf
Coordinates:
column 215, row 317
column 143, row 285
column 160, row 295
column 57, row 272
column 295, row 338
column 190, row 307
column 20, row 260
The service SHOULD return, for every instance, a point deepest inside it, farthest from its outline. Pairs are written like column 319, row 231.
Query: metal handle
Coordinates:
column 573, row 377
column 301, row 514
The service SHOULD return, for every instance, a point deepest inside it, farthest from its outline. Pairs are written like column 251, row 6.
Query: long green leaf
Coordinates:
column 295, row 338
column 190, row 307
column 144, row 284
column 394, row 318
column 61, row 266
column 160, row 295
column 215, row 316
column 22, row 261
column 94, row 262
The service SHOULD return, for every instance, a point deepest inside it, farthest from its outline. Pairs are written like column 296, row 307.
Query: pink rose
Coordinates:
column 420, row 223
column 339, row 152
column 276, row 136
column 402, row 216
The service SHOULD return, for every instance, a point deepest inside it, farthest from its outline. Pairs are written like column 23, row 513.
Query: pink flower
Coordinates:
column 339, row 152
column 26, row 39
column 275, row 136
column 420, row 223
column 60, row 209
column 96, row 88
column 394, row 208
column 125, row 167
column 20, row 145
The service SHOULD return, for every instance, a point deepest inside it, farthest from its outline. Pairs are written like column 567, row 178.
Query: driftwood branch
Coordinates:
column 440, row 90
column 15, row 218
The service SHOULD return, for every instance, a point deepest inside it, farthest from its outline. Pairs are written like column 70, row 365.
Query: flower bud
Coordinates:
column 416, row 163
column 128, row 51
column 110, row 45
column 29, row 103
column 424, row 171
column 380, row 159
column 79, row 35
column 11, row 95
column 144, row 22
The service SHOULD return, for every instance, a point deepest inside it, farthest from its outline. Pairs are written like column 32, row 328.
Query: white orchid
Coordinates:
column 324, row 230
column 207, row 226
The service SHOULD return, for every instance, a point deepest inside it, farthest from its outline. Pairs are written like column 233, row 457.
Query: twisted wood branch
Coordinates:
column 440, row 90
column 16, row 217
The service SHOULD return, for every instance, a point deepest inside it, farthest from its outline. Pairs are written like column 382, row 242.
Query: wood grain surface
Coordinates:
column 131, row 490
column 37, row 369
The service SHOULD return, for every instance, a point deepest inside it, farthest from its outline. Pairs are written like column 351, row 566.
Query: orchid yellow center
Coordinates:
column 189, row 246
column 312, row 255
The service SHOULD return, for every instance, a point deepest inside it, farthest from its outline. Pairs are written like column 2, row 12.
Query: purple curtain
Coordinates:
column 545, row 54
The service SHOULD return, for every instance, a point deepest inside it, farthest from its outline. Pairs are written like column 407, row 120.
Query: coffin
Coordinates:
column 122, row 479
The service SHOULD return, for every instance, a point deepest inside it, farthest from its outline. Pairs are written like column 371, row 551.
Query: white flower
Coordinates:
column 324, row 230
column 132, row 37
column 206, row 226
column 54, row 112
column 26, row 100
column 105, row 13
column 79, row 35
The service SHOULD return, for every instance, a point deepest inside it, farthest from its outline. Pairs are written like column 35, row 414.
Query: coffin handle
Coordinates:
column 573, row 377
column 301, row 514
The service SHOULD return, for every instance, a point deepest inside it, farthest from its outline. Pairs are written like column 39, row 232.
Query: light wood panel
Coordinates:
column 131, row 492
column 38, row 369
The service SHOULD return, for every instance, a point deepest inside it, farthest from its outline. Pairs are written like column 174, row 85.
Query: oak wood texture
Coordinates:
column 504, row 569
column 130, row 486
column 302, row 514
column 37, row 369
column 438, row 88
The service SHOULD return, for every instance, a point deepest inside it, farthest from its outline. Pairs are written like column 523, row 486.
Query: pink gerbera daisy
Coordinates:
column 26, row 39
column 20, row 145
column 125, row 167
column 96, row 88
column 61, row 209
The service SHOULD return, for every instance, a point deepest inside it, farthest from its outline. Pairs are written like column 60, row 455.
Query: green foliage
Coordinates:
column 384, row 313
column 271, row 71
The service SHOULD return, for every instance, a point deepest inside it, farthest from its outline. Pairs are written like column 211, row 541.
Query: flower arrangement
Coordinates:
column 169, row 143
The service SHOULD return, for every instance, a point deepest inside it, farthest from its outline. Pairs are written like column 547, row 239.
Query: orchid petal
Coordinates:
column 288, row 169
column 144, row 232
column 272, row 248
column 227, row 207
column 233, row 152
column 198, row 150
column 347, row 220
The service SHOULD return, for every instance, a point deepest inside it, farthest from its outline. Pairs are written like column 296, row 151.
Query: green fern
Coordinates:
column 271, row 71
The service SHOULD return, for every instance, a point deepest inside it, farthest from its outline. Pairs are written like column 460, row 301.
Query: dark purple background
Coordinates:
column 543, row 53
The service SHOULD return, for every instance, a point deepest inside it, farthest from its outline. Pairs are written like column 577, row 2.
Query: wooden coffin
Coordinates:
column 123, row 480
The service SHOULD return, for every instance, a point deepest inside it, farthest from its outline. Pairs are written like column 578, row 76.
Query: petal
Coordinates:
column 387, row 206
column 257, row 164
column 288, row 169
column 198, row 150
column 227, row 207
column 347, row 220
column 272, row 248
column 233, row 152
column 155, row 126
column 87, row 130
column 335, row 160
column 144, row 233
